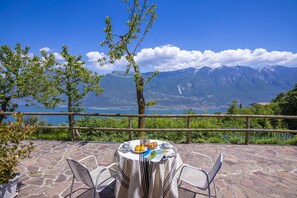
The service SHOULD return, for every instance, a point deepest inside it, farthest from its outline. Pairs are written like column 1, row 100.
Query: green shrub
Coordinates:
column 162, row 123
column 11, row 147
column 292, row 141
column 214, row 140
column 234, row 140
column 200, row 140
column 268, row 141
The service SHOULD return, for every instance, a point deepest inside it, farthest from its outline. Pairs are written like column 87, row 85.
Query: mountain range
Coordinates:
column 204, row 88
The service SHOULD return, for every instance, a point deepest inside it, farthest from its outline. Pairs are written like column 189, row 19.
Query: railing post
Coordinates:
column 188, row 132
column 247, row 133
column 130, row 127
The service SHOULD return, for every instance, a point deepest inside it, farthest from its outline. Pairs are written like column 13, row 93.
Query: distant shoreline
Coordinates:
column 159, row 108
column 43, row 109
column 63, row 119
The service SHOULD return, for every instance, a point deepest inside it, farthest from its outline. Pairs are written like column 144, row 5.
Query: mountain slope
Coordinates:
column 197, row 88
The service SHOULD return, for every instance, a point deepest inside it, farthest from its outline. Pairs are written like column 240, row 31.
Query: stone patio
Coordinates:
column 247, row 171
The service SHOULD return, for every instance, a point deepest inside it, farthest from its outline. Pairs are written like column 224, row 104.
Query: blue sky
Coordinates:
column 187, row 32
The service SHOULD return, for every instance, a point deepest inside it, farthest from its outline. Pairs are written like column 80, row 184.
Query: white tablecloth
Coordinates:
column 139, row 177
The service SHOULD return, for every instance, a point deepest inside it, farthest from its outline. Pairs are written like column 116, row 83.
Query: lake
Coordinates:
column 54, row 119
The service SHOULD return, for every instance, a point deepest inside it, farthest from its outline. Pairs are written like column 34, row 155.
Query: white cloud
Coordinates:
column 95, row 65
column 46, row 49
column 30, row 55
column 58, row 56
column 94, row 56
column 168, row 58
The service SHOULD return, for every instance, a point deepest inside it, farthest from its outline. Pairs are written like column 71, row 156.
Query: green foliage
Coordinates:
column 233, row 108
column 163, row 123
column 14, row 66
column 234, row 140
column 292, row 141
column 102, row 135
column 214, row 140
column 45, row 134
column 11, row 147
column 141, row 16
column 255, row 109
column 200, row 140
column 173, row 123
column 287, row 103
column 51, row 134
column 47, row 85
column 268, row 141
column 151, row 103
column 73, row 80
column 21, row 76
column 44, row 80
column 34, row 120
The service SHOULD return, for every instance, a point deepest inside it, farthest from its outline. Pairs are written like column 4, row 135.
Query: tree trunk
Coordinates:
column 71, row 124
column 141, row 107
column 4, row 108
column 73, row 132
column 71, row 120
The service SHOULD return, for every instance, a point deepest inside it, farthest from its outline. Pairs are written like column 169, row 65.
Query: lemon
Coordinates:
column 137, row 148
column 142, row 148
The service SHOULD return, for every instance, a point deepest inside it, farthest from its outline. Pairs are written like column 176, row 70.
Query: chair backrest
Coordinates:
column 80, row 173
column 215, row 169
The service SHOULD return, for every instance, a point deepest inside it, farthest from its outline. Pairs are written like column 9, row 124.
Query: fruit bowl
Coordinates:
column 139, row 151
column 139, row 148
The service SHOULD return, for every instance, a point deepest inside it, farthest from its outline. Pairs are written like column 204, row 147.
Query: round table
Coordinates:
column 140, row 177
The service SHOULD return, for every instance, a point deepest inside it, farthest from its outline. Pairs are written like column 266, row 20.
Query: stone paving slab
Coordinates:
column 248, row 170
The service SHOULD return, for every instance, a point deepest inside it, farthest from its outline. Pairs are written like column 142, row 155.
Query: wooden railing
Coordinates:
column 188, row 128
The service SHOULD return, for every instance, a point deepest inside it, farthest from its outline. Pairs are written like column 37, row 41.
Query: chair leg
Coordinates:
column 179, row 182
column 71, row 187
column 209, row 195
column 214, row 186
column 95, row 193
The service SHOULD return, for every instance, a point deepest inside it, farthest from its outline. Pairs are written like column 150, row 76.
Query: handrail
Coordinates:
column 188, row 128
column 155, row 115
column 170, row 130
